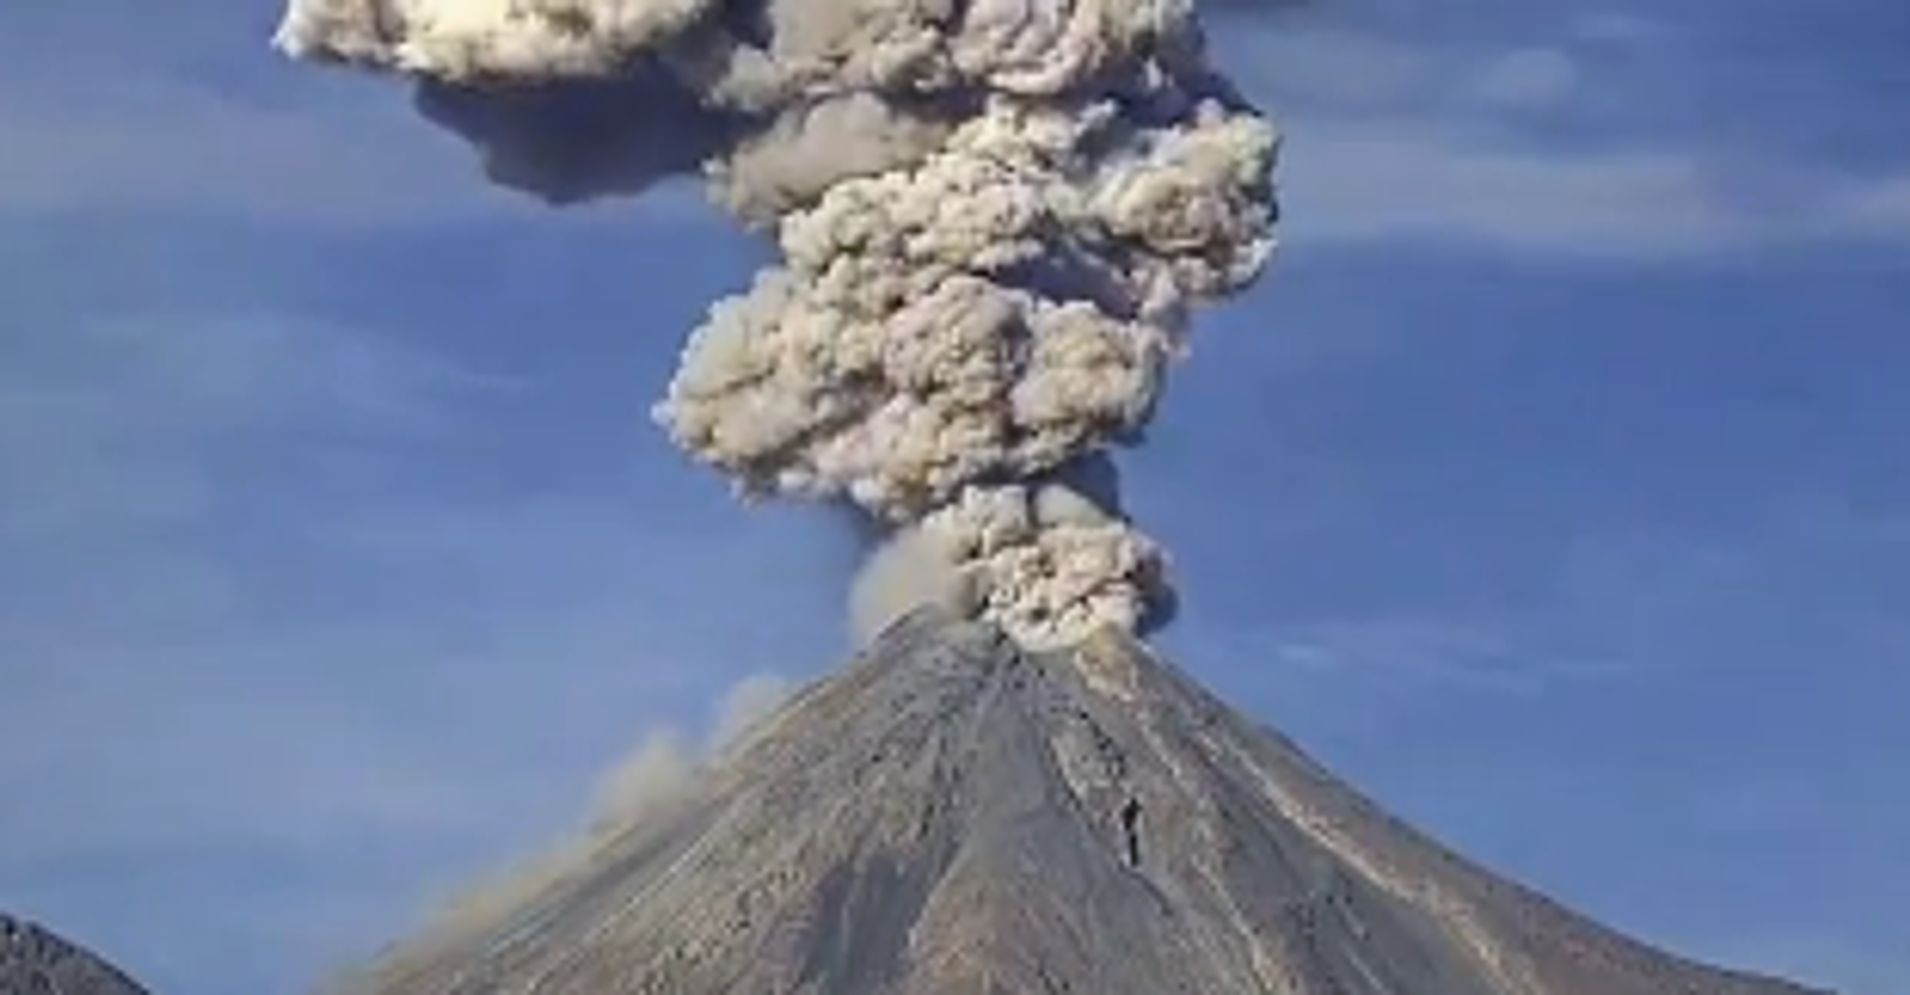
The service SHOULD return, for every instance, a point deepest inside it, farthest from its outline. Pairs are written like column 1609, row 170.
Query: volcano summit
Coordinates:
column 953, row 814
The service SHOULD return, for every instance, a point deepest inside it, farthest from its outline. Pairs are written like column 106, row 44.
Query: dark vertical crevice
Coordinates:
column 1131, row 829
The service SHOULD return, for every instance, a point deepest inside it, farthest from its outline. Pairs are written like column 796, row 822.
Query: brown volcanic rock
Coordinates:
column 35, row 962
column 951, row 816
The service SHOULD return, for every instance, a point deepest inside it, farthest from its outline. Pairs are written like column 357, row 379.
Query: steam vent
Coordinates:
column 954, row 815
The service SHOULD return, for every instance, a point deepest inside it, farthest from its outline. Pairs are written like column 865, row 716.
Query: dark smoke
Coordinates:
column 578, row 140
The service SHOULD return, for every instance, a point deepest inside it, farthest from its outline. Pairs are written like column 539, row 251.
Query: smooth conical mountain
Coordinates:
column 953, row 816
column 33, row 961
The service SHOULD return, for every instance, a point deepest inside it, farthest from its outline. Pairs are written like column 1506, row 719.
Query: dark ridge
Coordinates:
column 33, row 961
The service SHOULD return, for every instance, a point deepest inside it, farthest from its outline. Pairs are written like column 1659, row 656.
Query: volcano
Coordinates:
column 952, row 814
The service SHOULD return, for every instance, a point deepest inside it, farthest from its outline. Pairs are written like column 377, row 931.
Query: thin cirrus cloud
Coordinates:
column 1396, row 180
column 126, row 419
column 1405, row 179
column 119, row 144
column 1491, row 146
column 1476, row 145
column 139, row 138
column 1532, row 78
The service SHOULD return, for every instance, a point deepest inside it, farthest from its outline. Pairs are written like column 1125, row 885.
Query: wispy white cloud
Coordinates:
column 149, row 144
column 1880, row 206
column 1619, row 27
column 1415, row 652
column 115, row 435
column 164, row 779
column 1325, row 64
column 1402, row 179
column 1528, row 79
column 1391, row 140
column 346, row 155
column 121, row 419
column 1621, row 605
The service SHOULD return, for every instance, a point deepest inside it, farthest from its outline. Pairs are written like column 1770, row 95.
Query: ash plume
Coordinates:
column 994, row 217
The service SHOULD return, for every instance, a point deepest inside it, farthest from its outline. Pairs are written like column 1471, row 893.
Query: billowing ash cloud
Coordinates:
column 994, row 218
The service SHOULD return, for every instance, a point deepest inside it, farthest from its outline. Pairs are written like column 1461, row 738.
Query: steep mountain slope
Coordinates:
column 35, row 962
column 952, row 815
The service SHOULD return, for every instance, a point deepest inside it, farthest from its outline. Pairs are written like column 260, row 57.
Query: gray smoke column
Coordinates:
column 994, row 217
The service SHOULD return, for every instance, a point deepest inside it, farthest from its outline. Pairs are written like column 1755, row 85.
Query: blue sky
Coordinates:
column 1552, row 488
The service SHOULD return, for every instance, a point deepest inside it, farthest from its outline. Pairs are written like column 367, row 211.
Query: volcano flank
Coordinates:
column 955, row 814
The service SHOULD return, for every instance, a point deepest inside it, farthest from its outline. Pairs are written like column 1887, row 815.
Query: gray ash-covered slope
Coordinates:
column 35, row 962
column 951, row 816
